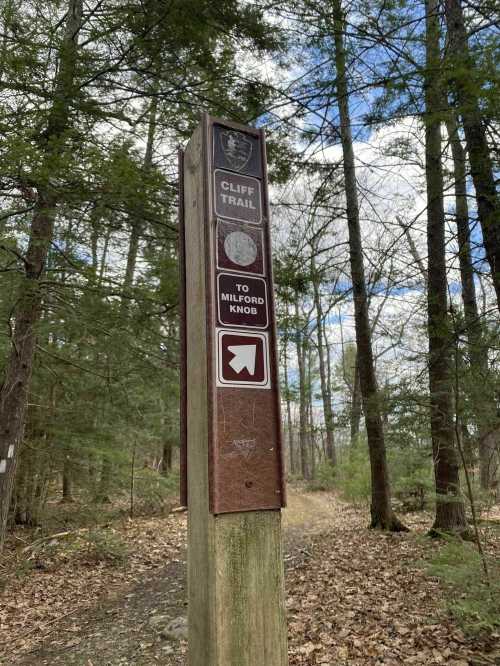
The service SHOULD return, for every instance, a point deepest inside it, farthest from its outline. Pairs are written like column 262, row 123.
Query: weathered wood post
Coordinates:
column 235, row 486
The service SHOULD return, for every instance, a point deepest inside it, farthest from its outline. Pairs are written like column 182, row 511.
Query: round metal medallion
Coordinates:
column 240, row 248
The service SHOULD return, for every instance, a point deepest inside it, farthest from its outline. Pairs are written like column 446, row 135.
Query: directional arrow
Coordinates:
column 244, row 357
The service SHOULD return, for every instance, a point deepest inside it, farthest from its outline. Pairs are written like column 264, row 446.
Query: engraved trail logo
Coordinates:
column 237, row 149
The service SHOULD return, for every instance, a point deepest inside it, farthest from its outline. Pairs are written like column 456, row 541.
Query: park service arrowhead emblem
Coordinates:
column 237, row 149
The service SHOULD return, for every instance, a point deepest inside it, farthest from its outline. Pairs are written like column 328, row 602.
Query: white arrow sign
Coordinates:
column 244, row 357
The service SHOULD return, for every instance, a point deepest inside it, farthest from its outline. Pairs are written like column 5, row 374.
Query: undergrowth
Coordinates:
column 473, row 601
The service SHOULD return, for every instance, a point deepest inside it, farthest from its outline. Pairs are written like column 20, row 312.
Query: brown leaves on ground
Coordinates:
column 45, row 585
column 354, row 596
column 359, row 597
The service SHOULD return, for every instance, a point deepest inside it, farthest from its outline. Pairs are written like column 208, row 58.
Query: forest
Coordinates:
column 382, row 129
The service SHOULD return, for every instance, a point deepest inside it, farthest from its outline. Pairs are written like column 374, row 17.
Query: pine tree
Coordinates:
column 450, row 510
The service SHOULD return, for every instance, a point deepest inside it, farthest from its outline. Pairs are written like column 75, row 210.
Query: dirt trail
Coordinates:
column 309, row 513
column 117, row 629
column 349, row 593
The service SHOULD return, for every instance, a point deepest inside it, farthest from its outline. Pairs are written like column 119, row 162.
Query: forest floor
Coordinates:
column 354, row 596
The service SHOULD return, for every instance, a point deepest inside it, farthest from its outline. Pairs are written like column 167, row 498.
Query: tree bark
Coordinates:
column 462, row 73
column 67, row 483
column 17, row 375
column 382, row 515
column 167, row 452
column 325, row 388
column 484, row 408
column 293, row 463
column 166, row 459
column 355, row 419
column 310, row 415
column 450, row 511
column 303, row 443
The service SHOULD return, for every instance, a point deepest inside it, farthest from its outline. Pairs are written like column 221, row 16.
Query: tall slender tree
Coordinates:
column 462, row 72
column 382, row 515
column 450, row 511
column 26, row 316
column 301, row 346
column 483, row 401
column 326, row 393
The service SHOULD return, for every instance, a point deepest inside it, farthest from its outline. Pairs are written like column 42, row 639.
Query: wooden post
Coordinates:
column 234, row 470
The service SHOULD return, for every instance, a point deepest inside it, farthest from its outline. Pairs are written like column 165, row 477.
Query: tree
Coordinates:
column 382, row 515
column 462, row 72
column 302, row 345
column 481, row 392
column 323, row 370
column 18, row 372
column 450, row 511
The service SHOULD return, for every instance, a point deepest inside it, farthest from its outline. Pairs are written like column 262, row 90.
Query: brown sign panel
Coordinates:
column 237, row 197
column 237, row 151
column 240, row 247
column 248, row 468
column 242, row 359
column 242, row 301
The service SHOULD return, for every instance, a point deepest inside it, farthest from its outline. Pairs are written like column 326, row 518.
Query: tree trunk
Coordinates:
column 103, row 491
column 484, row 408
column 67, row 483
column 489, row 452
column 310, row 417
column 166, row 458
column 17, row 375
column 325, row 388
column 450, row 511
column 136, row 224
column 463, row 232
column 382, row 515
column 462, row 71
column 304, row 458
column 293, row 464
column 355, row 406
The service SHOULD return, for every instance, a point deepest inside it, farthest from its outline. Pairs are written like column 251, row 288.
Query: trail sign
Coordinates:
column 231, row 415
column 237, row 197
column 242, row 359
column 242, row 301
column 234, row 258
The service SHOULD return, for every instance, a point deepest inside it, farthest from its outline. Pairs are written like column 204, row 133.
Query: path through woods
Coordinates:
column 354, row 597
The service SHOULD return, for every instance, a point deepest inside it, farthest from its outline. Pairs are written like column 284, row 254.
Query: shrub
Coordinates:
column 412, row 478
column 104, row 545
column 154, row 493
column 324, row 479
column 353, row 476
column 474, row 603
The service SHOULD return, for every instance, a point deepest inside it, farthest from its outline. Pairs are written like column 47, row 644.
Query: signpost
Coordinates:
column 234, row 481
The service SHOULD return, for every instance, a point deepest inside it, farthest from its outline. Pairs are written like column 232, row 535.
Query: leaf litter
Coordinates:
column 355, row 597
